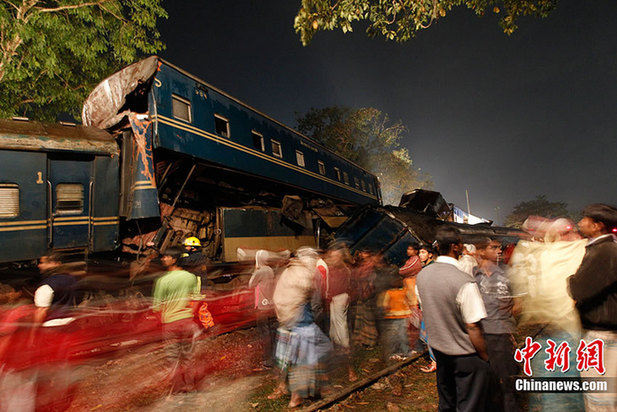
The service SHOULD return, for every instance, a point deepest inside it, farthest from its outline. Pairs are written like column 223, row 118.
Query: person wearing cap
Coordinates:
column 594, row 290
column 468, row 262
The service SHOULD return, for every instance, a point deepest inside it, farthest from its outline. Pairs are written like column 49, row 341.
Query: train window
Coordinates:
column 221, row 126
column 338, row 173
column 276, row 149
column 356, row 182
column 300, row 158
column 181, row 108
column 370, row 188
column 363, row 185
column 258, row 141
column 346, row 178
column 69, row 198
column 9, row 200
column 322, row 167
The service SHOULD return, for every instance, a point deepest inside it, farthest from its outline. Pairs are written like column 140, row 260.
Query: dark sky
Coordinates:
column 507, row 118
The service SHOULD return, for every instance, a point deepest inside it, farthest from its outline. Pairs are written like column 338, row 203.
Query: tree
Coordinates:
column 367, row 137
column 400, row 19
column 53, row 52
column 539, row 206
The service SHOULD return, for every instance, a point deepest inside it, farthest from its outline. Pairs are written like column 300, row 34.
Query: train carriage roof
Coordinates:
column 105, row 107
column 31, row 135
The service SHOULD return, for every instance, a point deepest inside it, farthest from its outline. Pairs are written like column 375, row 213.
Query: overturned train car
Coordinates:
column 162, row 156
column 390, row 229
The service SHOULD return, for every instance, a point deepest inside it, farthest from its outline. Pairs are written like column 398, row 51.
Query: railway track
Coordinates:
column 361, row 384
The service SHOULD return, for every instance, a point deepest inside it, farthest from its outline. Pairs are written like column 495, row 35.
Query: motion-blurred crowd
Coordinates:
column 463, row 305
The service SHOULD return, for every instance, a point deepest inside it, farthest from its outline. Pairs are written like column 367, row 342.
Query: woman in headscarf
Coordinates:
column 301, row 346
column 263, row 282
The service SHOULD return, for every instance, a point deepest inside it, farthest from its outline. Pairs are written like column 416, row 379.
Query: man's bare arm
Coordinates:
column 474, row 330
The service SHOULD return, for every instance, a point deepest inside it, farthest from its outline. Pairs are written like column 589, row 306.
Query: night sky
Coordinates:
column 507, row 118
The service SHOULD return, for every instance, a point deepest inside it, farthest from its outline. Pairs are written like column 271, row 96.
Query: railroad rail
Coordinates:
column 360, row 384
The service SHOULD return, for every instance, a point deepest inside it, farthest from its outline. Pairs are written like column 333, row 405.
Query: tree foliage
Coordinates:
column 367, row 137
column 539, row 206
column 53, row 52
column 400, row 19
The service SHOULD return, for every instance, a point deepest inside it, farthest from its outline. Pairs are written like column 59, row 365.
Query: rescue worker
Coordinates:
column 193, row 259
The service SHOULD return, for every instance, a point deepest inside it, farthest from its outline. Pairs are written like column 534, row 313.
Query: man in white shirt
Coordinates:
column 452, row 308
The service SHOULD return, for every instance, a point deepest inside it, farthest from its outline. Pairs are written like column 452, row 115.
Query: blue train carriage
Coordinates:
column 203, row 163
column 58, row 189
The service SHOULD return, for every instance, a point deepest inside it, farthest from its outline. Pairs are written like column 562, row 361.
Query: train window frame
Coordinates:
column 337, row 172
column 356, row 182
column 363, row 184
column 346, row 178
column 10, row 192
column 218, row 130
column 300, row 159
column 322, row 167
column 262, row 144
column 69, row 208
column 175, row 99
column 279, row 148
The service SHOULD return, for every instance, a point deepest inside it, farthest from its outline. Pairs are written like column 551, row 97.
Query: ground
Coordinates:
column 135, row 381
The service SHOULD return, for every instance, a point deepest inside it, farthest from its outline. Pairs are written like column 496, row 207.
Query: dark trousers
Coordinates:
column 500, row 349
column 462, row 382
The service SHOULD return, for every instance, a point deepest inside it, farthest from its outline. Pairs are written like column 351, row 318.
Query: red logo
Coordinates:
column 588, row 355
column 526, row 354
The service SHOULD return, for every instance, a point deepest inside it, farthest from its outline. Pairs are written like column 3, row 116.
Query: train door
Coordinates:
column 70, row 184
column 23, row 211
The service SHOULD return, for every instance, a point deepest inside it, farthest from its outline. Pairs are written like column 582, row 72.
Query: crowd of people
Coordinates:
column 461, row 303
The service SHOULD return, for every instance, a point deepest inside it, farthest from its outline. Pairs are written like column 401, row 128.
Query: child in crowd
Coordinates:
column 396, row 311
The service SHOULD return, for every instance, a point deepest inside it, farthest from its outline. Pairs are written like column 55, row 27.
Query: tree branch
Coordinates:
column 72, row 6
column 11, row 3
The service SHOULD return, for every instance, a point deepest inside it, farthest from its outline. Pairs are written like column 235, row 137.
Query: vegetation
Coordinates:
column 400, row 19
column 52, row 53
column 367, row 137
column 539, row 206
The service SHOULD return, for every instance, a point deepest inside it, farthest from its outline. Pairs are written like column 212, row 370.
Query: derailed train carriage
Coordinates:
column 388, row 230
column 164, row 155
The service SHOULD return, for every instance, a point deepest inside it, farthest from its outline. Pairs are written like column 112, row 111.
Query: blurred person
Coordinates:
column 395, row 307
column 468, row 262
column 499, row 325
column 338, row 300
column 172, row 296
column 262, row 280
column 301, row 346
column 57, row 294
column 365, row 329
column 55, row 301
column 538, row 272
column 338, row 283
column 452, row 308
column 322, row 310
column 594, row 289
